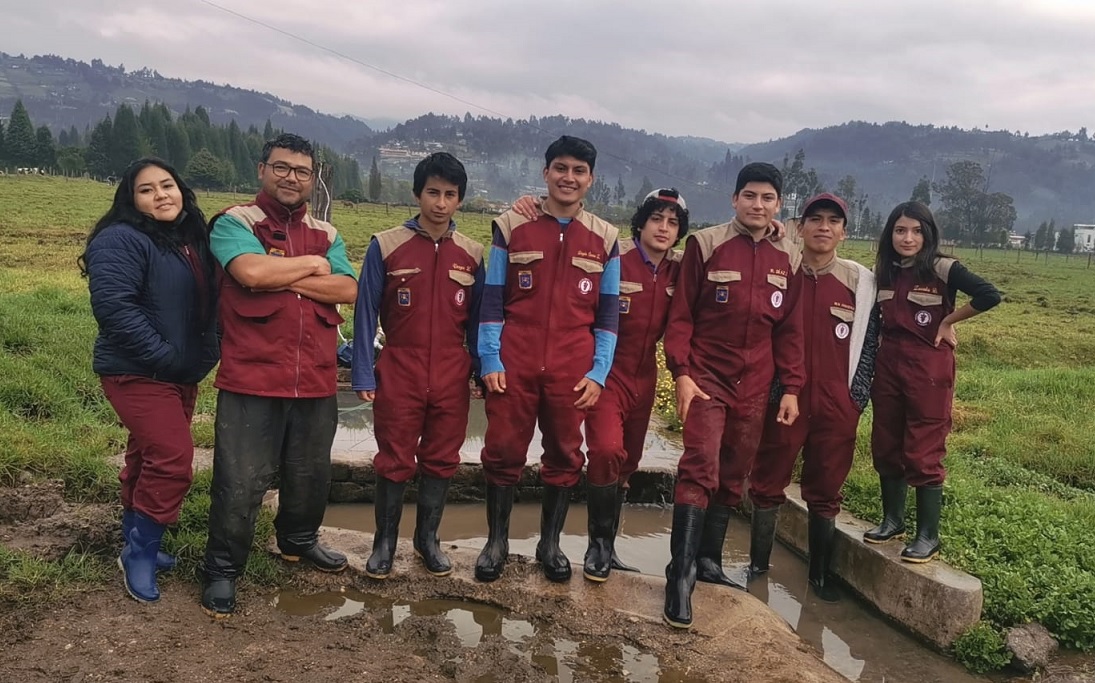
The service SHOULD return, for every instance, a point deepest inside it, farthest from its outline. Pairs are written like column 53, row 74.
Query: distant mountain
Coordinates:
column 62, row 93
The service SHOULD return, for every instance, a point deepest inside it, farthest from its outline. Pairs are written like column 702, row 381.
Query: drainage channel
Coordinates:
column 853, row 640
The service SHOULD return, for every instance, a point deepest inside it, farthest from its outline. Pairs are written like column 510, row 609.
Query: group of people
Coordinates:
column 774, row 342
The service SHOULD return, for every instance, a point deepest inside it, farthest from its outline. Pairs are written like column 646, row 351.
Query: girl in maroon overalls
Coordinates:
column 914, row 375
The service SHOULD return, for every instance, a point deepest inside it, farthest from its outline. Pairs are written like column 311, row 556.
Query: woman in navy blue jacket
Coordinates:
column 153, row 294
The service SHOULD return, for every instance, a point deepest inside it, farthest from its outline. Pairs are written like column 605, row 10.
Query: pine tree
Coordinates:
column 97, row 156
column 374, row 182
column 20, row 143
column 125, row 147
column 46, row 149
column 178, row 145
column 3, row 158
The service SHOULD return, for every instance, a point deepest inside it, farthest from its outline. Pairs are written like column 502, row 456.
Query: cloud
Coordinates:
column 731, row 71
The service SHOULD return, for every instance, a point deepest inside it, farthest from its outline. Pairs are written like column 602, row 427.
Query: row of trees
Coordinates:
column 209, row 156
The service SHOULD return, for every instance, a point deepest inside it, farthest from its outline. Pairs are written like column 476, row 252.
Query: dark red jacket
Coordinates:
column 735, row 319
column 278, row 344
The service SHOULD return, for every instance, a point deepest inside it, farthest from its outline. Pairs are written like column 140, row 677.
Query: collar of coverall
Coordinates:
column 742, row 230
column 906, row 262
column 824, row 270
column 577, row 216
column 412, row 224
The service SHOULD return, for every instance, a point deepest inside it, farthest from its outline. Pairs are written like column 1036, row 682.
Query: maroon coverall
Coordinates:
column 733, row 323
column 422, row 394
column 616, row 426
column 550, row 308
column 914, row 380
column 825, row 430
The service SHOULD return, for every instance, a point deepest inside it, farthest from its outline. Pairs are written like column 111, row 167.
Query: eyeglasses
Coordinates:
column 281, row 170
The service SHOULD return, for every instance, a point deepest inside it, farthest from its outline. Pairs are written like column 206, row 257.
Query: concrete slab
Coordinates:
column 934, row 601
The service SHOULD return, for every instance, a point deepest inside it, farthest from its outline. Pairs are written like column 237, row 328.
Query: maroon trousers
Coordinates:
column 721, row 437
column 825, row 432
column 912, row 395
column 159, row 453
column 544, row 397
column 615, row 430
column 424, row 426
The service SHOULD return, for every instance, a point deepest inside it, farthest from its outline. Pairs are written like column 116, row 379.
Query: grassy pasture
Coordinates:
column 1020, row 495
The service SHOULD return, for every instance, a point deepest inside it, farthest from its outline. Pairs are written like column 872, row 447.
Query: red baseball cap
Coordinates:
column 812, row 202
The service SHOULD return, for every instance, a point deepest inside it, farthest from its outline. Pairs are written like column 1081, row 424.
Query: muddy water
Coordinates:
column 355, row 435
column 472, row 622
column 854, row 641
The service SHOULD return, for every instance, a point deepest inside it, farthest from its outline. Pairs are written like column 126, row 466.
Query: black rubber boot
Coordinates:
column 431, row 506
column 894, row 490
column 388, row 507
column 709, row 556
column 553, row 515
column 164, row 562
column 601, row 503
column 138, row 558
column 762, row 535
column 680, row 573
column 617, row 563
column 492, row 560
column 218, row 594
column 821, row 535
column 929, row 506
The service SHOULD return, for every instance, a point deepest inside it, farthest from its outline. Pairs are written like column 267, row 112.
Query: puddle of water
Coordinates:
column 565, row 659
column 355, row 435
column 855, row 641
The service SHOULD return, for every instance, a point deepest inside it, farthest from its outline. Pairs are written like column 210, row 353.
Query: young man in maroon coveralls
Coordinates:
column 841, row 340
column 734, row 324
column 423, row 280
column 546, row 342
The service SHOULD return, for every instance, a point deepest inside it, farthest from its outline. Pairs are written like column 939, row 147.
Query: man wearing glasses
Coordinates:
column 282, row 273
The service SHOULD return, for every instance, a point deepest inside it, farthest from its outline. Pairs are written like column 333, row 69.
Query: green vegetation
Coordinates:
column 1020, row 496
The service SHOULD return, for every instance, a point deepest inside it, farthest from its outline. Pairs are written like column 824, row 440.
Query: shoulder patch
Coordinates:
column 675, row 255
column 626, row 246
column 600, row 227
column 248, row 214
column 507, row 222
column 709, row 239
column 391, row 239
column 794, row 254
column 847, row 273
column 474, row 249
column 316, row 224
column 943, row 268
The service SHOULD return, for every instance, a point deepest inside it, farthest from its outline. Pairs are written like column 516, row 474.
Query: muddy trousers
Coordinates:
column 615, row 430
column 159, row 452
column 825, row 433
column 261, row 440
column 721, row 437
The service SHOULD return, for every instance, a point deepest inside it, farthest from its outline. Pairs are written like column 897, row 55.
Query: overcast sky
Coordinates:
column 733, row 71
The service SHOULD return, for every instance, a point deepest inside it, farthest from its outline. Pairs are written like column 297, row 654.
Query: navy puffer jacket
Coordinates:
column 152, row 319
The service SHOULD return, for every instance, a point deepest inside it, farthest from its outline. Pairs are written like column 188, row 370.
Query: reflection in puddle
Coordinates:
column 473, row 622
column 858, row 644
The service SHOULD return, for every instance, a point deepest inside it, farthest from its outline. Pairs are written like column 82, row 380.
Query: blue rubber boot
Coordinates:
column 164, row 562
column 139, row 558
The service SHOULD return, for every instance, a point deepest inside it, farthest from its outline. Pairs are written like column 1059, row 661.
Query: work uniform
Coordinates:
column 841, row 339
column 913, row 387
column 734, row 324
column 276, row 410
column 426, row 295
column 549, row 318
column 616, row 426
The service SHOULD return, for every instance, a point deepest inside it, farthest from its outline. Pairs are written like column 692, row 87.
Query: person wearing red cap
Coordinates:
column 914, row 381
column 841, row 340
column 734, row 324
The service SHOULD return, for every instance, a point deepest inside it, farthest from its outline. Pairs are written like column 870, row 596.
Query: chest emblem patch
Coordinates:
column 403, row 296
column 460, row 297
column 524, row 279
column 722, row 294
column 923, row 318
column 777, row 299
column 842, row 330
column 625, row 304
column 585, row 285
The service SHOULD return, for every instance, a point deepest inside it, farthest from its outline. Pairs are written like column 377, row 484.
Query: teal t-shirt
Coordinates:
column 231, row 238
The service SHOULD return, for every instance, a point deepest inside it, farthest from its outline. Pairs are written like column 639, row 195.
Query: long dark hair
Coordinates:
column 888, row 260
column 189, row 229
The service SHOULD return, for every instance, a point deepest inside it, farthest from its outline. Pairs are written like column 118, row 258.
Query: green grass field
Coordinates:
column 1020, row 495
